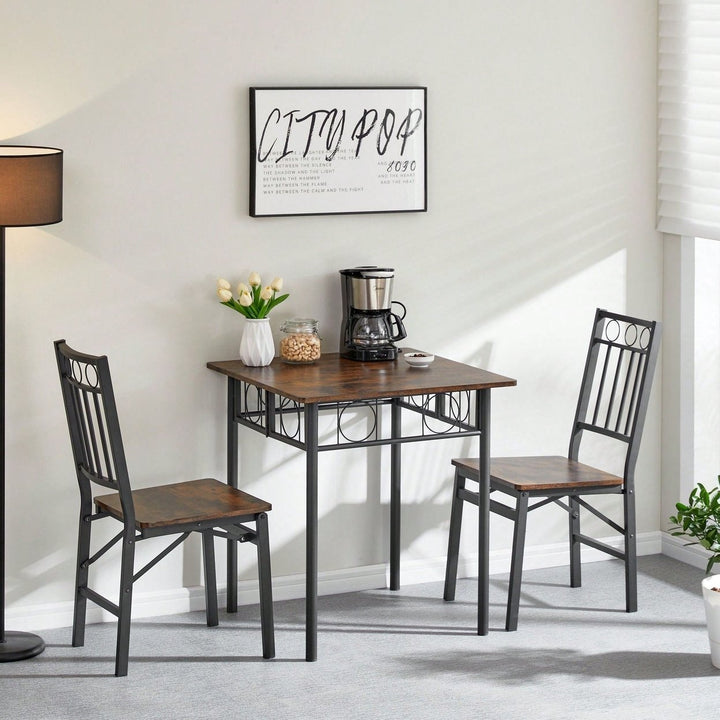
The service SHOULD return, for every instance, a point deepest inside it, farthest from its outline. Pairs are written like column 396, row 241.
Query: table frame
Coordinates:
column 456, row 408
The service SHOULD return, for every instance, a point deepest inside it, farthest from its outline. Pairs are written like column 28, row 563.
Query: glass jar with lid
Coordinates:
column 300, row 342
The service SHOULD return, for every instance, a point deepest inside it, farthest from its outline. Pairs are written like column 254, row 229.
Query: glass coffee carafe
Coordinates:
column 369, row 328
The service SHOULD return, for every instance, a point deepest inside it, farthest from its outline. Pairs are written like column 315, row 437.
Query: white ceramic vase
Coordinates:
column 712, row 614
column 256, row 346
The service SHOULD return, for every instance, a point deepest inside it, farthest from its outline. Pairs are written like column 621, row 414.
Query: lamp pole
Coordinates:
column 13, row 645
column 2, row 436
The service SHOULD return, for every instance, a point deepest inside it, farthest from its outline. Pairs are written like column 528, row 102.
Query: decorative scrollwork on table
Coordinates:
column 344, row 424
column 451, row 410
column 290, row 422
column 251, row 408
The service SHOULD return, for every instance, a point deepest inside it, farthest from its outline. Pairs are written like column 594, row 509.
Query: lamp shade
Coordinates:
column 30, row 185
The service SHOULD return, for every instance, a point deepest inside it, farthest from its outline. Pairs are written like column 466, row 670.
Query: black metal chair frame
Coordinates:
column 99, row 458
column 613, row 401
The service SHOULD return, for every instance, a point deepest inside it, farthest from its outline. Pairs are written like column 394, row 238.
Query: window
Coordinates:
column 688, row 206
column 689, row 118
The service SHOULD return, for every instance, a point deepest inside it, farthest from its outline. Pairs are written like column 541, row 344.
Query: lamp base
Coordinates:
column 20, row 646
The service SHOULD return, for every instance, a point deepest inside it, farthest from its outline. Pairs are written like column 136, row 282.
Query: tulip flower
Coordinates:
column 251, row 299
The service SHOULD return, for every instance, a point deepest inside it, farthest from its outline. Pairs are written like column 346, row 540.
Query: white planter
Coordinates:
column 256, row 346
column 712, row 613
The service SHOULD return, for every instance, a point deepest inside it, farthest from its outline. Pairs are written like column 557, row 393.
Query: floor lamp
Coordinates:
column 30, row 195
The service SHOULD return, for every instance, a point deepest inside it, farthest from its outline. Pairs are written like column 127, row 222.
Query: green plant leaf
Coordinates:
column 277, row 300
column 699, row 519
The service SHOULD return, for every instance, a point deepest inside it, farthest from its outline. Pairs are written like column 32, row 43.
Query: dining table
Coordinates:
column 283, row 401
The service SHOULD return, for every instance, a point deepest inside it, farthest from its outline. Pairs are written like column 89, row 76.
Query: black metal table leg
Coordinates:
column 395, row 498
column 232, row 479
column 311, row 538
column 484, row 513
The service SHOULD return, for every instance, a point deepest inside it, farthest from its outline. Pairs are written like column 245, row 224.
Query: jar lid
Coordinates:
column 299, row 325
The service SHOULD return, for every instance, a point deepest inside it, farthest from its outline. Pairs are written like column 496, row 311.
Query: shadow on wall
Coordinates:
column 536, row 223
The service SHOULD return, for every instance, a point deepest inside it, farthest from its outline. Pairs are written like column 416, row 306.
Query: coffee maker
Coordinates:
column 369, row 327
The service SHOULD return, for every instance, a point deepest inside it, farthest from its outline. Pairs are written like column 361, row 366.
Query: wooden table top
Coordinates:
column 336, row 379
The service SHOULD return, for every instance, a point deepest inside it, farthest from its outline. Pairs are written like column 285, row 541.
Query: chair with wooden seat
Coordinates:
column 204, row 506
column 613, row 402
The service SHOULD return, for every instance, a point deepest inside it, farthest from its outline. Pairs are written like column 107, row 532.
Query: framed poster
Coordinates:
column 319, row 151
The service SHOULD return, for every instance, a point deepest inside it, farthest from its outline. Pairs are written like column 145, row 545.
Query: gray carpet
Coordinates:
column 401, row 655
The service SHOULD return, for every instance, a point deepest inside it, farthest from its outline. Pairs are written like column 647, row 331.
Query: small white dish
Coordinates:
column 418, row 359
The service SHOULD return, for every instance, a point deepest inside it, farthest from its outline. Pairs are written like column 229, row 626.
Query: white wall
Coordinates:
column 541, row 148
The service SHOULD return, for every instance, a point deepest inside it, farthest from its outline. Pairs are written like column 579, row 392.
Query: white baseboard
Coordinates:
column 186, row 599
column 536, row 557
column 678, row 549
column 331, row 582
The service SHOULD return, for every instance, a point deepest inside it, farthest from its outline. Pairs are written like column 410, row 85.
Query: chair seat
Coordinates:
column 186, row 502
column 545, row 473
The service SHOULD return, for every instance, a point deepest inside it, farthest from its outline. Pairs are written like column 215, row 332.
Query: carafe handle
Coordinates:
column 404, row 309
column 396, row 323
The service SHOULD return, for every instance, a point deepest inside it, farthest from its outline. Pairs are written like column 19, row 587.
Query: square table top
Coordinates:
column 333, row 378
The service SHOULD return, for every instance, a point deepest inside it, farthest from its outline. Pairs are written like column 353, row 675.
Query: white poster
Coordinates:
column 337, row 150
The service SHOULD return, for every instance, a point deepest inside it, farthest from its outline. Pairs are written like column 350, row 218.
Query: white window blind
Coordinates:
column 689, row 117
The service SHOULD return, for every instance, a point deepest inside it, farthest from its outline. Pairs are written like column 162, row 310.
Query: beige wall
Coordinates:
column 541, row 156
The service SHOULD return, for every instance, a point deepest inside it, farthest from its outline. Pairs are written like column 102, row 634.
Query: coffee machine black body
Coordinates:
column 369, row 327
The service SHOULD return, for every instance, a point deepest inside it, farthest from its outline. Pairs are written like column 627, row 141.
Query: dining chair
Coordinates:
column 205, row 506
column 613, row 401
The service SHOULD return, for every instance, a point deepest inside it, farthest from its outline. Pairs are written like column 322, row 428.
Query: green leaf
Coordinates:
column 699, row 519
column 263, row 309
column 277, row 300
column 234, row 305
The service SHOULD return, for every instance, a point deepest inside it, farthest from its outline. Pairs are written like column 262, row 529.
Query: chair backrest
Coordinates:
column 93, row 424
column 616, row 384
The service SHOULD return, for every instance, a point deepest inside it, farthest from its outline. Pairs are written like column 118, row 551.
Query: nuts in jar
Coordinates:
column 300, row 342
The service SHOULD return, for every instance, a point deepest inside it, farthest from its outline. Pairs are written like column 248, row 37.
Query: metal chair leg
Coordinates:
column 211, row 601
column 630, row 553
column 574, row 531
column 516, row 563
column 81, row 578
column 125, row 605
column 267, row 622
column 453, row 552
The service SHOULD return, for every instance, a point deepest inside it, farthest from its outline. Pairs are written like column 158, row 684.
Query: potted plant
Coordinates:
column 699, row 519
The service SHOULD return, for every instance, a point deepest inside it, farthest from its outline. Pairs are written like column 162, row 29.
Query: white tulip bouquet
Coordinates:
column 253, row 300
